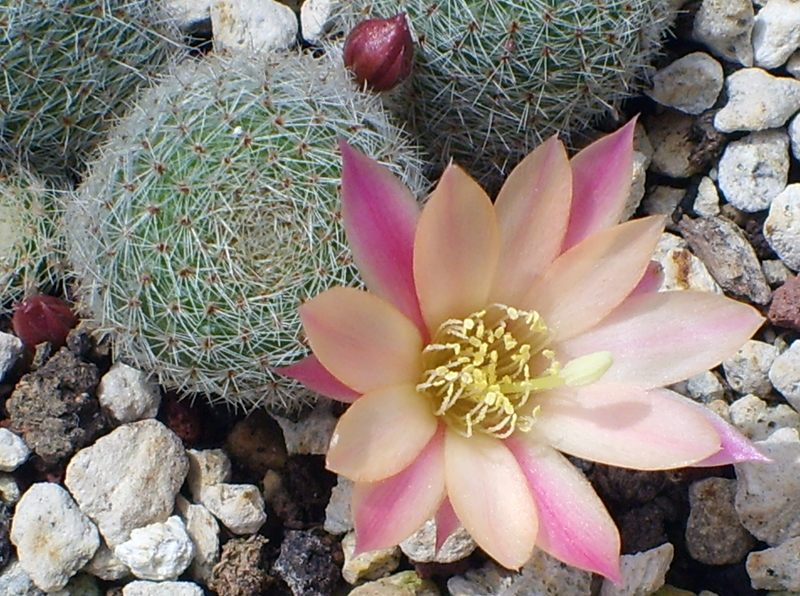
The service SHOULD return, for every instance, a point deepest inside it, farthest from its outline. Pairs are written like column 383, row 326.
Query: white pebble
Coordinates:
column 420, row 547
column 13, row 451
column 106, row 566
column 682, row 269
column 253, row 26
column 776, row 33
column 775, row 272
column 11, row 349
column 206, row 467
column 312, row 434
column 690, row 84
column 748, row 369
column 146, row 588
column 794, row 136
column 313, row 18
column 782, row 226
column 706, row 203
column 240, row 507
column 203, row 529
column 757, row 101
column 642, row 573
column 186, row 13
column 785, row 374
column 54, row 539
column 159, row 551
column 705, row 387
column 753, row 170
column 367, row 565
column 128, row 394
column 725, row 27
column 338, row 517
column 757, row 420
column 14, row 581
column 776, row 568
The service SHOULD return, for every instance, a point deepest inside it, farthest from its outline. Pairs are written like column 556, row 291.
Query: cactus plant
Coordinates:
column 68, row 67
column 31, row 247
column 494, row 77
column 213, row 213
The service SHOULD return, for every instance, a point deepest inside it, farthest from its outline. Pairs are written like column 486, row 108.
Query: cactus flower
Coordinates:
column 496, row 338
column 379, row 52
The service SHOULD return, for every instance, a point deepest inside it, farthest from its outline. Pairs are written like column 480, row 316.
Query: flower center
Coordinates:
column 480, row 372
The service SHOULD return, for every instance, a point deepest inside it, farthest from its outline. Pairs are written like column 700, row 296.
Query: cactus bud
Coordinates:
column 42, row 318
column 379, row 52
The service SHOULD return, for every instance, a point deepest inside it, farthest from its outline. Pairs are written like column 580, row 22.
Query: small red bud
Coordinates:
column 379, row 52
column 41, row 318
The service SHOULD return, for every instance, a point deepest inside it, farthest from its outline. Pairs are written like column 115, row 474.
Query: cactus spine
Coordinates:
column 213, row 213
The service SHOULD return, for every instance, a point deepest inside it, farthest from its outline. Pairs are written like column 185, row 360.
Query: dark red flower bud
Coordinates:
column 379, row 52
column 41, row 318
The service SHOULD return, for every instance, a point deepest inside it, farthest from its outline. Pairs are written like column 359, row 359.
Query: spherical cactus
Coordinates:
column 68, row 67
column 214, row 212
column 31, row 245
column 492, row 78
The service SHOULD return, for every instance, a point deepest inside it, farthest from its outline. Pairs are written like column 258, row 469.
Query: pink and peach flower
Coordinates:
column 497, row 337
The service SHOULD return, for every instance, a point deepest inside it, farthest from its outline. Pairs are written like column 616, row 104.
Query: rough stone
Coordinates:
column 306, row 564
column 203, row 529
column 54, row 407
column 129, row 478
column 13, row 451
column 784, row 310
column 187, row 13
column 14, row 581
column 673, row 143
column 729, row 257
column 148, row 588
column 706, row 203
column 747, row 371
column 160, row 551
column 775, row 272
column 421, row 545
column 405, row 583
column 640, row 164
column 54, row 539
column 757, row 101
column 785, row 374
column 776, row 33
column 642, row 573
column 313, row 18
column 690, row 84
column 368, row 565
column 757, row 420
column 253, row 26
column 241, row 569
column 9, row 489
column 682, row 270
column 753, row 170
column 206, row 468
column 776, row 568
column 312, row 434
column 794, row 136
column 256, row 443
column 338, row 518
column 782, row 226
column 768, row 493
column 106, row 566
column 128, row 394
column 726, row 27
column 705, row 387
column 240, row 507
column 11, row 349
column 714, row 535
column 663, row 200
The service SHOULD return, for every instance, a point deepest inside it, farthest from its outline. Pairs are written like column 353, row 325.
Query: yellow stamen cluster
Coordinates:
column 481, row 371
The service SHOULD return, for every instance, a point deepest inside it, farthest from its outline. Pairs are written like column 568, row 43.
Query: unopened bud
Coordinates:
column 379, row 52
column 43, row 318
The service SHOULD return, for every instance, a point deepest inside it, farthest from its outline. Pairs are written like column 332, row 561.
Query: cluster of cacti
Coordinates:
column 494, row 77
column 68, row 67
column 31, row 247
column 214, row 212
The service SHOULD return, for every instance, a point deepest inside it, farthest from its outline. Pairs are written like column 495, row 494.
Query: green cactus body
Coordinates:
column 68, row 66
column 494, row 77
column 214, row 212
column 31, row 246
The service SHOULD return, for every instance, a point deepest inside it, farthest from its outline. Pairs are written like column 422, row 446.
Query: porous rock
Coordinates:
column 105, row 565
column 405, row 583
column 690, row 84
column 747, row 371
column 785, row 374
column 252, row 26
column 54, row 539
column 757, row 420
column 372, row 564
column 149, row 588
column 306, row 564
column 642, row 573
column 776, row 33
column 776, row 568
column 256, row 443
column 420, row 547
column 311, row 435
column 782, row 226
column 338, row 518
column 206, row 468
column 129, row 478
column 726, row 27
column 128, row 394
column 13, row 451
column 706, row 203
column 11, row 349
column 757, row 100
column 159, row 551
column 240, row 507
column 241, row 569
column 203, row 529
column 784, row 310
column 16, row 582
column 682, row 270
column 673, row 144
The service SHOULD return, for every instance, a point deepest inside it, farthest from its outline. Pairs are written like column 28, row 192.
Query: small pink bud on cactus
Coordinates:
column 379, row 52
column 41, row 318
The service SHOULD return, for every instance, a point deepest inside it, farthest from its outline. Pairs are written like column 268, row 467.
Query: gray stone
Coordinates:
column 186, row 13
column 753, row 170
column 793, row 64
column 640, row 164
column 775, row 272
column 338, row 518
column 13, row 451
column 313, row 17
column 776, row 33
column 11, row 349
column 148, row 588
column 757, row 420
column 794, row 136
column 706, row 203
column 747, row 371
column 160, row 551
column 705, row 387
column 642, row 573
column 782, row 226
column 106, row 566
column 367, row 565
column 206, row 468
column 9, row 489
column 203, row 529
column 128, row 394
column 673, row 143
column 662, row 199
column 690, row 84
column 240, row 507
column 785, row 374
column 728, row 255
column 14, row 581
column 757, row 101
column 129, row 478
column 714, row 535
column 421, row 545
column 768, row 493
column 54, row 539
column 725, row 27
column 253, row 26
column 312, row 434
column 776, row 568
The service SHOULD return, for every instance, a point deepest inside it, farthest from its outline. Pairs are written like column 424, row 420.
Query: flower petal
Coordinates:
column 446, row 523
column 379, row 215
column 587, row 282
column 361, row 339
column 316, row 377
column 601, row 183
column 491, row 497
column 456, row 249
column 574, row 526
column 388, row 511
column 626, row 426
column 381, row 434
column 651, row 281
column 661, row 338
column 532, row 211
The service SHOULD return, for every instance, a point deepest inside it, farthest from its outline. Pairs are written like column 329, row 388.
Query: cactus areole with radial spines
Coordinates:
column 69, row 66
column 492, row 78
column 380, row 52
column 214, row 213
